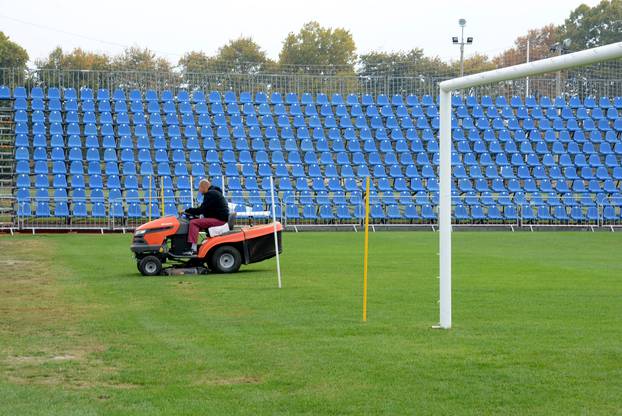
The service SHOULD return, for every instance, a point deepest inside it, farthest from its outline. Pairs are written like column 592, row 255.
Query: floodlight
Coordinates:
column 461, row 41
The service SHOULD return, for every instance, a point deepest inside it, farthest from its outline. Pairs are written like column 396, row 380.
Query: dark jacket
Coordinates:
column 214, row 205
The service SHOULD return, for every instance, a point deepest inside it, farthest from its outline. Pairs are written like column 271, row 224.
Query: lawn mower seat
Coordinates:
column 224, row 229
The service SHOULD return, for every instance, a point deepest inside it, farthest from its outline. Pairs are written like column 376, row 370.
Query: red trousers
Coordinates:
column 201, row 224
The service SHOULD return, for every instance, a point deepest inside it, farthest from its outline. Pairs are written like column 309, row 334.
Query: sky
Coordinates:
column 173, row 28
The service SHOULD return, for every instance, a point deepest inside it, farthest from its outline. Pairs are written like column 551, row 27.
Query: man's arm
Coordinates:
column 193, row 211
column 196, row 211
column 203, row 208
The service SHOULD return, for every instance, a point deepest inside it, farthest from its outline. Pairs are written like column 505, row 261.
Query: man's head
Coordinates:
column 204, row 186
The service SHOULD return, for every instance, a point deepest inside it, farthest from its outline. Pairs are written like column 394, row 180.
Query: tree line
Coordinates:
column 319, row 50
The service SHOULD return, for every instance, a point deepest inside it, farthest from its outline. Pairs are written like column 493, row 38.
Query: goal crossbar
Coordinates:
column 586, row 57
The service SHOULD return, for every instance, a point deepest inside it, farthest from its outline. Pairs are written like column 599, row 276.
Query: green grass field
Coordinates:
column 537, row 329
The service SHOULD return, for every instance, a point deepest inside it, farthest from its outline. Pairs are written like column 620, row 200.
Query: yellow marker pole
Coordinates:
column 162, row 194
column 150, row 182
column 366, row 249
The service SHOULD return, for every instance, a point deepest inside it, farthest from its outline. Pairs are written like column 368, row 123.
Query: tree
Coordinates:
column 194, row 62
column 476, row 63
column 588, row 27
column 157, row 72
column 242, row 56
column 401, row 64
column 137, row 59
column 401, row 71
column 316, row 45
column 238, row 56
column 11, row 54
column 76, row 59
column 540, row 41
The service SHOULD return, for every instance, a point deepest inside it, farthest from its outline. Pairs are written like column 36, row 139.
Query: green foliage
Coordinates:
column 131, row 59
column 316, row 45
column 76, row 59
column 194, row 62
column 540, row 41
column 91, row 69
column 410, row 63
column 239, row 56
column 473, row 64
column 11, row 54
column 242, row 56
column 588, row 27
column 137, row 59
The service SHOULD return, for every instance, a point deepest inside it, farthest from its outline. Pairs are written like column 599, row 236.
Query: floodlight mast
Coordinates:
column 542, row 66
column 462, row 24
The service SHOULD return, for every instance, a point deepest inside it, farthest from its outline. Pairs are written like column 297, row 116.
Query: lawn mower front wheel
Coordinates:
column 150, row 266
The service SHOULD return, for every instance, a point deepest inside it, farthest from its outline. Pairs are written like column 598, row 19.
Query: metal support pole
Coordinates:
column 558, row 76
column 527, row 79
column 366, row 249
column 191, row 192
column 276, row 239
column 150, row 185
column 444, row 212
column 462, row 53
column 162, row 194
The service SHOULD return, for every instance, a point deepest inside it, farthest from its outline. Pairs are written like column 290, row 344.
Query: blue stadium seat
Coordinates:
column 503, row 148
column 5, row 92
column 42, row 209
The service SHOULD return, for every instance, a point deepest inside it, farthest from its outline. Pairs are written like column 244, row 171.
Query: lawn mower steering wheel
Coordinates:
column 187, row 216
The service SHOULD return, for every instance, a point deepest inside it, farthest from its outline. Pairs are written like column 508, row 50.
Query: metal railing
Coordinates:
column 63, row 214
column 602, row 80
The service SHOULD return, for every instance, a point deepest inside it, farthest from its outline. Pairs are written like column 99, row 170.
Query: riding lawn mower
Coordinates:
column 165, row 241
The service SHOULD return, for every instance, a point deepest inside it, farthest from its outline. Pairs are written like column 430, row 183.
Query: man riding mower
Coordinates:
column 174, row 240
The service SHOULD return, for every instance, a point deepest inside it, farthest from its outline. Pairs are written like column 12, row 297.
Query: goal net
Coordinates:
column 557, row 104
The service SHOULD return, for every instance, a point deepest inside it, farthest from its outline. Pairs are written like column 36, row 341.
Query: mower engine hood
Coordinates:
column 169, row 224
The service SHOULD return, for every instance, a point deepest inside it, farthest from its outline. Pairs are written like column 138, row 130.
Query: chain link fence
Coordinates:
column 603, row 79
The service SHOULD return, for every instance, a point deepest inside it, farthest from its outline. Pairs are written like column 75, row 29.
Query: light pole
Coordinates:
column 527, row 78
column 560, row 48
column 537, row 39
column 469, row 41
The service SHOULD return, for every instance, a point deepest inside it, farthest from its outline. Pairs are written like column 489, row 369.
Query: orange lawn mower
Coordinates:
column 165, row 240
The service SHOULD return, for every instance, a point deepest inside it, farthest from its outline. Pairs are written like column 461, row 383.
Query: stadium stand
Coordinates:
column 99, row 154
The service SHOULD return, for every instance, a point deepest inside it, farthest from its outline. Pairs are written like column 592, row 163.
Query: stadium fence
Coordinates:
column 599, row 80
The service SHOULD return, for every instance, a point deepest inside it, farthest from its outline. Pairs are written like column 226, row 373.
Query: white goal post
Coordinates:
column 586, row 57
